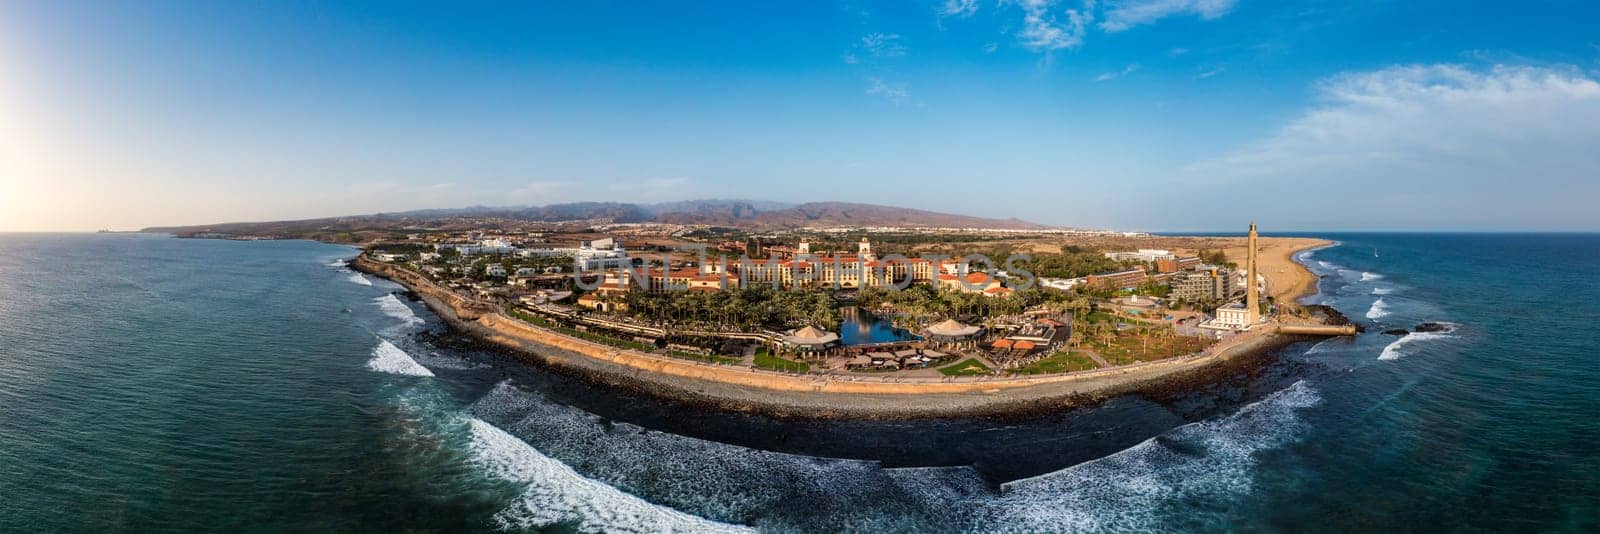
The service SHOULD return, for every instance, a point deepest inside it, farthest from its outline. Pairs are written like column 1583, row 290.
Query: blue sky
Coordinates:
column 1133, row 114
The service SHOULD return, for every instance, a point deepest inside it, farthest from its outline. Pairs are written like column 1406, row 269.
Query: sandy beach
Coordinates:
column 749, row 389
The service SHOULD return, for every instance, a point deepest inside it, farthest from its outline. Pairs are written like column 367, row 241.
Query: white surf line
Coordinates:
column 1122, row 491
column 387, row 358
column 1393, row 351
column 391, row 306
column 1379, row 309
column 554, row 493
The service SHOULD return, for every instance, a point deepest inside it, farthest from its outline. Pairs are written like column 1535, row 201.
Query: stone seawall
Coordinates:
column 752, row 389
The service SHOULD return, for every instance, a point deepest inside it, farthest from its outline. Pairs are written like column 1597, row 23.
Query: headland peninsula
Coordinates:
column 867, row 322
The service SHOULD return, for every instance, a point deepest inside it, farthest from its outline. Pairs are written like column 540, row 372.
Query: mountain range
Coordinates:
column 744, row 214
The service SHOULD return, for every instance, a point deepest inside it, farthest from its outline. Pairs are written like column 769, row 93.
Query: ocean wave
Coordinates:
column 1379, row 309
column 1324, row 346
column 778, row 491
column 1382, row 290
column 388, row 358
column 1394, row 350
column 391, row 306
column 359, row 279
column 337, row 264
column 1209, row 460
column 554, row 493
column 1368, row 276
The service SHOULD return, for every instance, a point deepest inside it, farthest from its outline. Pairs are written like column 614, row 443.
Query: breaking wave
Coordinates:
column 1208, row 460
column 359, row 278
column 1367, row 276
column 388, row 358
column 338, row 264
column 1395, row 349
column 1382, row 290
column 1379, row 309
column 1136, row 488
column 390, row 305
column 554, row 493
column 1324, row 346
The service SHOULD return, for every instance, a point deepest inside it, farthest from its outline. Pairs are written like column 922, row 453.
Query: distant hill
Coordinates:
column 748, row 214
column 851, row 214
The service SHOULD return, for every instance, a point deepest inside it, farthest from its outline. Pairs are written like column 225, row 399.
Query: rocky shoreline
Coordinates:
column 786, row 395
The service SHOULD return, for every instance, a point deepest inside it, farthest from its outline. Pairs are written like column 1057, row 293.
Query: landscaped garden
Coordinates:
column 766, row 360
column 967, row 367
column 1060, row 362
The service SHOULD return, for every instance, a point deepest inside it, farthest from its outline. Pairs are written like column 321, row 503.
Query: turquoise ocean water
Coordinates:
column 158, row 384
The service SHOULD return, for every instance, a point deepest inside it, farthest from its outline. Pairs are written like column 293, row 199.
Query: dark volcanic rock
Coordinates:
column 1332, row 316
column 1432, row 327
column 1397, row 332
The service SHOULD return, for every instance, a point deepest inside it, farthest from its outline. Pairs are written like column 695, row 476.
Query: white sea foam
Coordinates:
column 1324, row 346
column 390, row 305
column 1382, row 290
column 554, row 493
column 337, row 264
column 1367, row 276
column 1379, row 309
column 388, row 358
column 1209, row 460
column 359, row 279
column 1395, row 349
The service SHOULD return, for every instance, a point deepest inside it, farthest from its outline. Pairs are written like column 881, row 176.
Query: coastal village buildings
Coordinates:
column 1201, row 285
column 1145, row 255
column 1117, row 280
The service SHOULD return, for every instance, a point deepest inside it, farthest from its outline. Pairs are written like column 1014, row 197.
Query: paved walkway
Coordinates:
column 1096, row 357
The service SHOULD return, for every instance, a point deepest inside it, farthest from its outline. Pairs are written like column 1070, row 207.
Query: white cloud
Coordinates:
column 990, row 48
column 1500, row 146
column 1209, row 73
column 1108, row 76
column 959, row 8
column 1044, row 31
column 883, row 45
column 894, row 92
column 1125, row 14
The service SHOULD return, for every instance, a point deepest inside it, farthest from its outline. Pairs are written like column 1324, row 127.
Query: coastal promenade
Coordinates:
column 753, row 389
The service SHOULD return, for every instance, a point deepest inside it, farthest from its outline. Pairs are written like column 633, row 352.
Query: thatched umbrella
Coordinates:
column 811, row 338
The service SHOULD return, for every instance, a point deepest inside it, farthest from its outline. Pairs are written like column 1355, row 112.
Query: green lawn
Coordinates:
column 1128, row 348
column 1060, row 362
column 765, row 360
column 967, row 367
column 606, row 340
column 1100, row 317
column 531, row 318
column 701, row 357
